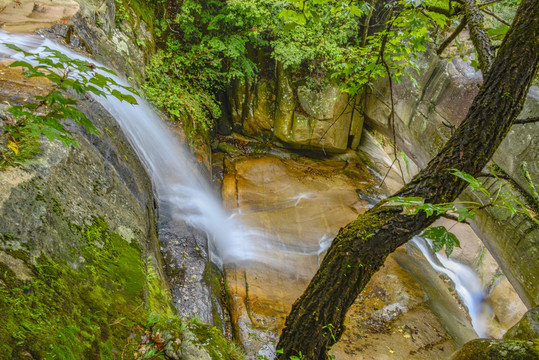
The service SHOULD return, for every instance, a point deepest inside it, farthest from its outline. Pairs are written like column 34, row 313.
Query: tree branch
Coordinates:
column 526, row 121
column 452, row 37
column 489, row 175
column 454, row 218
column 495, row 16
column 479, row 36
column 361, row 247
column 485, row 4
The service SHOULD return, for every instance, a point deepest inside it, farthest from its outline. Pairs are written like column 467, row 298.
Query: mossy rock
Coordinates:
column 490, row 349
column 527, row 328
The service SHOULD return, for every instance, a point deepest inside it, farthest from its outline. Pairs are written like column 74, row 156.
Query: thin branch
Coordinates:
column 452, row 37
column 391, row 117
column 453, row 217
column 497, row 176
column 485, row 4
column 495, row 16
column 437, row 10
column 526, row 121
column 366, row 28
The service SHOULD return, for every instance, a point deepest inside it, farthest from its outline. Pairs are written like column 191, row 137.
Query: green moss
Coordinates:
column 86, row 313
column 211, row 339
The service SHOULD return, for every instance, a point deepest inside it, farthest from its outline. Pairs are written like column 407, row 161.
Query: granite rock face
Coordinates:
column 323, row 120
column 424, row 117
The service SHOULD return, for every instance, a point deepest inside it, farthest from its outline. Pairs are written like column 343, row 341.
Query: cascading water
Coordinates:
column 467, row 284
column 180, row 185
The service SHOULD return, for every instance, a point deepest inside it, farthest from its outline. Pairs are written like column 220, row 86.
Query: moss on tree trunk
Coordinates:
column 359, row 250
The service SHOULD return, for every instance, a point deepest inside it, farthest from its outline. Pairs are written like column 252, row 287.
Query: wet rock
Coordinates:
column 295, row 206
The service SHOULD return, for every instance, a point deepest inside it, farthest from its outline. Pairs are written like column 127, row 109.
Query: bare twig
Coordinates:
column 526, row 121
column 495, row 16
column 452, row 37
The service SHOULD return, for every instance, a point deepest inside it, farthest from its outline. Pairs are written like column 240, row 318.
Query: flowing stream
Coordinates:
column 466, row 282
column 181, row 186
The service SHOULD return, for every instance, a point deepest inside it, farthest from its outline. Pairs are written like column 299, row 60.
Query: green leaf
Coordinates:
column 124, row 97
column 21, row 63
column 441, row 237
column 464, row 213
column 16, row 48
column 33, row 73
column 474, row 183
column 356, row 11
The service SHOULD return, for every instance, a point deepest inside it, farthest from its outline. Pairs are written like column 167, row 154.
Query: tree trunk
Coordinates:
column 360, row 249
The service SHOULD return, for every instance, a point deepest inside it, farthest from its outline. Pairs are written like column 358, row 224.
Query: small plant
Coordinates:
column 44, row 115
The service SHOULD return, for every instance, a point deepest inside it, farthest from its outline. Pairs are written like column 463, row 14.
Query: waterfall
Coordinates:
column 179, row 183
column 467, row 284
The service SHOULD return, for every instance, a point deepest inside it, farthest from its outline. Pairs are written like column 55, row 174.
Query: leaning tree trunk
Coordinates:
column 360, row 249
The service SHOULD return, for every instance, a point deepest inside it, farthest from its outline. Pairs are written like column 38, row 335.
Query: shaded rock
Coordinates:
column 505, row 304
column 322, row 120
column 527, row 328
column 318, row 104
column 423, row 120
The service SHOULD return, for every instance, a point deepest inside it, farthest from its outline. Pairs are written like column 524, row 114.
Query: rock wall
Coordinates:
column 302, row 118
column 424, row 117
column 80, row 266
column 77, row 243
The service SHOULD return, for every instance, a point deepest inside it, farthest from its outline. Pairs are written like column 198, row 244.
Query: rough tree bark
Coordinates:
column 478, row 34
column 360, row 249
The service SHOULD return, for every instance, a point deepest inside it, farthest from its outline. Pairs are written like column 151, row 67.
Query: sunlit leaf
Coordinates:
column 474, row 183
column 13, row 146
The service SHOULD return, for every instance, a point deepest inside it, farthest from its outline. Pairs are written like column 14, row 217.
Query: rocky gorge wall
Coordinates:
column 273, row 108
column 423, row 120
column 328, row 121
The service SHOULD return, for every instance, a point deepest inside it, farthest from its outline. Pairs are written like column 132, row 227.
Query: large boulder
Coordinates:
column 77, row 245
column 519, row 343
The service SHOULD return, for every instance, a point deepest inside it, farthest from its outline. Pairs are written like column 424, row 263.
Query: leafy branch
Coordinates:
column 44, row 115
column 462, row 209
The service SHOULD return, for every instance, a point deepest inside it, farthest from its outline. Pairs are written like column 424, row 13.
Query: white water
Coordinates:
column 178, row 181
column 467, row 284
